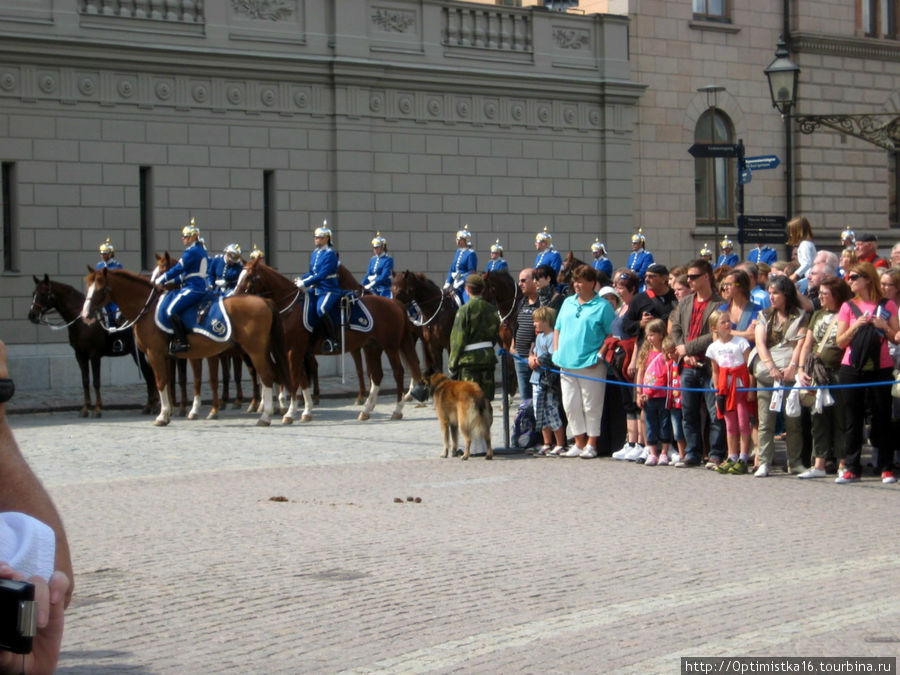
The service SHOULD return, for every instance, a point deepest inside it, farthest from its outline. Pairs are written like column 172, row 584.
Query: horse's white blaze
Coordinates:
column 85, row 308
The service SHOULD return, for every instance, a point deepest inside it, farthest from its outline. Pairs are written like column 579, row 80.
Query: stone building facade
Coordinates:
column 262, row 119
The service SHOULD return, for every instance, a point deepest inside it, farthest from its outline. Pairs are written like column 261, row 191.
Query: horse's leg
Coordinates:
column 373, row 361
column 181, row 369
column 238, row 370
column 254, row 401
column 147, row 374
column 397, row 367
column 95, row 372
column 197, row 403
column 213, row 363
column 225, row 362
column 360, row 377
column 85, row 383
column 162, row 368
column 311, row 365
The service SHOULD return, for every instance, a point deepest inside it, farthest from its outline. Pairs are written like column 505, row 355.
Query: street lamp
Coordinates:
column 783, row 75
column 712, row 92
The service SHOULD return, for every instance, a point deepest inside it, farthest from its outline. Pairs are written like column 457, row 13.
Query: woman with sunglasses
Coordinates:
column 584, row 321
column 867, row 307
column 890, row 289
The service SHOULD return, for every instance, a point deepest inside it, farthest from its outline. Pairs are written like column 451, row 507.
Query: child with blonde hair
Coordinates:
column 653, row 378
column 545, row 384
column 728, row 356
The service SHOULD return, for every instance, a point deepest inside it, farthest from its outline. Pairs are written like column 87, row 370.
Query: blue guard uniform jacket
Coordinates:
column 549, row 256
column 731, row 260
column 322, row 278
column 497, row 265
column 603, row 264
column 379, row 277
column 111, row 308
column 765, row 254
column 221, row 270
column 465, row 262
column 192, row 270
column 639, row 261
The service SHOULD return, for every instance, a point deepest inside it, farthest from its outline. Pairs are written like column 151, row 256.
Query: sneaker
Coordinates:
column 797, row 469
column 847, row 477
column 679, row 463
column 623, row 453
column 652, row 460
column 663, row 459
column 762, row 471
column 888, row 477
column 712, row 464
column 557, row 451
column 635, row 453
column 574, row 451
column 589, row 452
column 813, row 473
column 673, row 456
column 739, row 468
column 687, row 461
column 724, row 467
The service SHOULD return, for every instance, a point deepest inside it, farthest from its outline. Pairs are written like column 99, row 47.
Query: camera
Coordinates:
column 18, row 616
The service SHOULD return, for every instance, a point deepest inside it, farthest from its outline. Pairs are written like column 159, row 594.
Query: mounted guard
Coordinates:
column 379, row 276
column 191, row 268
column 640, row 258
column 601, row 261
column 225, row 269
column 322, row 279
column 108, row 260
column 497, row 263
column 546, row 254
column 465, row 262
column 728, row 257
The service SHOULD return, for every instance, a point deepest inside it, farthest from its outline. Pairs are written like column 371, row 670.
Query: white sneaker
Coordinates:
column 799, row 469
column 623, row 453
column 574, row 451
column 762, row 471
column 673, row 456
column 813, row 473
column 589, row 452
column 663, row 459
column 645, row 453
column 635, row 453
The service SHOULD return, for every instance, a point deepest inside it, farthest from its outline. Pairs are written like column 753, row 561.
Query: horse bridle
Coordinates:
column 129, row 324
column 249, row 282
column 43, row 310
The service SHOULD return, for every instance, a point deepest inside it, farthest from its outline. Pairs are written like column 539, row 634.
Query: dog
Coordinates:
column 461, row 406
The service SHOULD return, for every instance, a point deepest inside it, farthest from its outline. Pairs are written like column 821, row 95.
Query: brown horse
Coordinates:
column 91, row 343
column 438, row 311
column 502, row 290
column 391, row 333
column 255, row 324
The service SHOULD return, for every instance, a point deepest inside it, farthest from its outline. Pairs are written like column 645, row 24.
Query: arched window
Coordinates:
column 718, row 171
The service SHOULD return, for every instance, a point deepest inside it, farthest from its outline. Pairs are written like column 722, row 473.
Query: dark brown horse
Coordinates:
column 437, row 309
column 391, row 333
column 570, row 262
column 90, row 342
column 502, row 290
column 256, row 328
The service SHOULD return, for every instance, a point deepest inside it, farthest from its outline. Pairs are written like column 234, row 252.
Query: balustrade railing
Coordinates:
column 182, row 11
column 486, row 29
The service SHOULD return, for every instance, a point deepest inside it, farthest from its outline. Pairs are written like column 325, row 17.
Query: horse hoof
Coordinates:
column 160, row 423
column 287, row 420
column 421, row 405
column 306, row 418
column 397, row 416
column 193, row 416
column 360, row 400
column 363, row 416
column 263, row 423
column 97, row 413
column 82, row 413
column 213, row 416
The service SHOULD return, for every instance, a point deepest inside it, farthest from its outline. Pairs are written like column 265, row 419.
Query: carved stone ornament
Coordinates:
column 393, row 20
column 87, row 86
column 234, row 95
column 8, row 81
column 490, row 110
column 126, row 88
column 268, row 10
column 47, row 83
column 200, row 93
column 544, row 114
column 163, row 90
column 268, row 97
column 517, row 112
column 405, row 105
column 301, row 99
column 376, row 102
column 570, row 39
column 434, row 107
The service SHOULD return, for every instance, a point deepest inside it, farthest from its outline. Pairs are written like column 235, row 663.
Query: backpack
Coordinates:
column 525, row 435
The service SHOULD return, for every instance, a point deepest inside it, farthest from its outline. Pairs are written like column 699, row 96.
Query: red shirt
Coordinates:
column 695, row 327
column 875, row 260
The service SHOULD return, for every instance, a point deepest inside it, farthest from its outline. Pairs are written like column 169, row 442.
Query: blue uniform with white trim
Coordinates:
column 379, row 276
column 323, row 278
column 765, row 254
column 221, row 270
column 731, row 260
column 465, row 262
column 191, row 267
column 497, row 265
column 603, row 264
column 639, row 261
column 112, row 309
column 549, row 256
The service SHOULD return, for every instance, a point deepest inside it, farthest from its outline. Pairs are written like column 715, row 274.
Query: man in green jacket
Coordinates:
column 472, row 339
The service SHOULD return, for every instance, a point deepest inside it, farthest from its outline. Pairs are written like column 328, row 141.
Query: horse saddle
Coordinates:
column 208, row 318
column 350, row 311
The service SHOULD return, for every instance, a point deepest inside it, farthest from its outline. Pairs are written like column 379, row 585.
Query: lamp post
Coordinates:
column 712, row 92
column 783, row 75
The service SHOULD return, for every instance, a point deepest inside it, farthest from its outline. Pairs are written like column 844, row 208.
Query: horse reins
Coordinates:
column 129, row 324
column 43, row 310
column 421, row 324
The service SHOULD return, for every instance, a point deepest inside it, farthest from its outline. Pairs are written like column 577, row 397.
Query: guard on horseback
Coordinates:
column 108, row 260
column 323, row 280
column 601, row 261
column 256, row 253
column 728, row 257
column 497, row 263
column 191, row 267
column 546, row 254
column 465, row 262
column 379, row 277
column 225, row 269
column 640, row 258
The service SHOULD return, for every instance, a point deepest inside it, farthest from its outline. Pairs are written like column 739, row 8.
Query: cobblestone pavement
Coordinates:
column 186, row 563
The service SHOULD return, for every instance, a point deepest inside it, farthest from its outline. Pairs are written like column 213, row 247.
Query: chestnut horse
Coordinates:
column 391, row 333
column 91, row 343
column 256, row 328
column 438, row 310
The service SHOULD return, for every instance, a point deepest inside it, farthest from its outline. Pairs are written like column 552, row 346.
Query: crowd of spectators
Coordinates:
column 713, row 365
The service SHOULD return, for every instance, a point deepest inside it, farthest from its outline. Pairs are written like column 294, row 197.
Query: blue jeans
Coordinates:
column 691, row 406
column 523, row 374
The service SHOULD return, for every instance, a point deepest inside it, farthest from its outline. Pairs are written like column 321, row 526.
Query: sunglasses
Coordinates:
column 693, row 277
column 853, row 277
column 622, row 277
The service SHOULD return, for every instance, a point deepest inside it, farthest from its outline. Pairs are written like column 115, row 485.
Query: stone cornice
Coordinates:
column 831, row 45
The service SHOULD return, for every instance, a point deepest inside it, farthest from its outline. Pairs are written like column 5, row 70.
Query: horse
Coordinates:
column 570, row 262
column 501, row 290
column 256, row 328
column 438, row 308
column 391, row 333
column 90, row 342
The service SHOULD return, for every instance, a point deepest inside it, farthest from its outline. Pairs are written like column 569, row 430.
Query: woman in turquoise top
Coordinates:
column 583, row 323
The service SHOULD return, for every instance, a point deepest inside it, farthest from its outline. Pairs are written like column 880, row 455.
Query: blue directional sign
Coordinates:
column 761, row 162
column 745, row 176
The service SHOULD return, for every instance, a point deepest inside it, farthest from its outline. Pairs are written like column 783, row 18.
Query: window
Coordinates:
column 894, row 188
column 10, row 233
column 718, row 171
column 711, row 10
column 878, row 18
column 145, row 213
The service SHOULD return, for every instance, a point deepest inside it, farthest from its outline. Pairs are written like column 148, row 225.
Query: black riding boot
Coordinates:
column 179, row 343
column 330, row 343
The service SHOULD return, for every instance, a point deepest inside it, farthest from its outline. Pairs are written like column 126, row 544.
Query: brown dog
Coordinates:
column 461, row 405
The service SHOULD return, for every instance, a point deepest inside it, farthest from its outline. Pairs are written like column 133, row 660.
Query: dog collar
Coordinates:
column 7, row 389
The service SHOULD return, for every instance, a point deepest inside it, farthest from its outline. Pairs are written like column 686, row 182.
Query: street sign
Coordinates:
column 761, row 229
column 745, row 176
column 761, row 162
column 713, row 150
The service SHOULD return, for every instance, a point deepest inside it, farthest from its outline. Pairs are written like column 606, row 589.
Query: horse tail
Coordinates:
column 277, row 351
